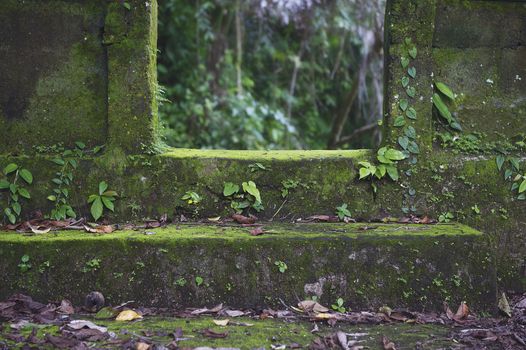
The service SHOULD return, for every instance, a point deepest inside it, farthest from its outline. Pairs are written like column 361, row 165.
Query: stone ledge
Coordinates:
column 368, row 265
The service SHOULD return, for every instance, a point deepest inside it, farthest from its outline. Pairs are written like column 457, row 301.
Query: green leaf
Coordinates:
column 52, row 198
column 412, row 72
column 250, row 187
column 4, row 184
column 103, row 186
column 411, row 113
column 230, row 189
column 394, row 154
column 97, row 208
column 26, row 175
column 515, row 163
column 127, row 6
column 405, row 81
column 92, row 198
column 108, row 203
column 405, row 62
column 17, row 208
column 80, row 145
column 57, row 181
column 403, row 104
column 364, row 172
column 442, row 108
column 392, row 172
column 403, row 141
column 10, row 168
column 413, row 52
column 411, row 92
column 455, row 125
column 399, row 121
column 110, row 194
column 24, row 193
column 408, row 41
column 73, row 163
column 500, row 162
column 443, row 88
column 58, row 161
column 410, row 132
column 522, row 187
column 413, row 147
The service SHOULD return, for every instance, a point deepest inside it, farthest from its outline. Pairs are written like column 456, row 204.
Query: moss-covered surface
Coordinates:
column 257, row 334
column 367, row 265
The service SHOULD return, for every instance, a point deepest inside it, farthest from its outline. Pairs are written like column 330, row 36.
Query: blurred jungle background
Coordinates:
column 271, row 74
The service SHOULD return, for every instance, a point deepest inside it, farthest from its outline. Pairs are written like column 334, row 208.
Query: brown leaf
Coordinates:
column 311, row 305
column 211, row 334
column 241, row 219
column 100, row 229
column 388, row 345
column 205, row 310
column 462, row 312
column 257, row 231
column 323, row 218
column 142, row 346
column 66, row 307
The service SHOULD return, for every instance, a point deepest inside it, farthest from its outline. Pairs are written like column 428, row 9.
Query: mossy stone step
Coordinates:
column 368, row 265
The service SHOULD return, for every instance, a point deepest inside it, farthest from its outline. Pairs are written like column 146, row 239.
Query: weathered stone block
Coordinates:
column 65, row 80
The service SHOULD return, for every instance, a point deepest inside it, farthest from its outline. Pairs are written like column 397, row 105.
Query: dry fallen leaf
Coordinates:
column 257, row 231
column 241, row 219
column 99, row 229
column 504, row 305
column 39, row 230
column 79, row 324
column 462, row 311
column 215, row 219
column 310, row 305
column 388, row 345
column 221, row 323
column 127, row 315
column 66, row 307
column 142, row 346
column 234, row 313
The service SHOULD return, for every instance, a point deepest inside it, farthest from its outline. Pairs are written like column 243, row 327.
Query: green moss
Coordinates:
column 323, row 257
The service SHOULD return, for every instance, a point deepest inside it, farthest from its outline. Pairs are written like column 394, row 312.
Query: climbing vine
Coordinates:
column 13, row 184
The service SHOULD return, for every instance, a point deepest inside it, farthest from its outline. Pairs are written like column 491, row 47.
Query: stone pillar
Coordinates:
column 77, row 71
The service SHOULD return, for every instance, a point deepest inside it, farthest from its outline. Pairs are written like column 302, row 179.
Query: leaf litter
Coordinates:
column 22, row 312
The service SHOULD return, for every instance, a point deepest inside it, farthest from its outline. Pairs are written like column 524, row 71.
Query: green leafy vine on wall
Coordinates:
column 13, row 184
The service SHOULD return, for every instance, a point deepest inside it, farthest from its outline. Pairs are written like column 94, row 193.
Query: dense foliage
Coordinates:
column 271, row 74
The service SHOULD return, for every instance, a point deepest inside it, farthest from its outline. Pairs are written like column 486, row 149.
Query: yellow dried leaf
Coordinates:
column 128, row 315
column 221, row 322
column 142, row 346
column 324, row 316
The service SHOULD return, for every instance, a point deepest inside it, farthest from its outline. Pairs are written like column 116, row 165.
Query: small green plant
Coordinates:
column 257, row 167
column 181, row 282
column 387, row 158
column 24, row 265
column 68, row 161
column 338, row 306
column 476, row 209
column 44, row 266
column 191, row 198
column 244, row 197
column 199, row 281
column 282, row 266
column 91, row 265
column 287, row 186
column 104, row 199
column 446, row 217
column 442, row 90
column 343, row 212
column 513, row 173
column 16, row 191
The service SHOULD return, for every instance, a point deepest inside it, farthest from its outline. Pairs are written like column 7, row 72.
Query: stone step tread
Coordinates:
column 272, row 231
